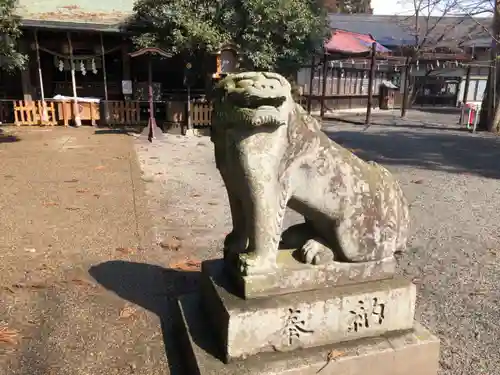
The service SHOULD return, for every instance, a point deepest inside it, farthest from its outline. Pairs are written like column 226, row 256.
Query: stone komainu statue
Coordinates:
column 271, row 155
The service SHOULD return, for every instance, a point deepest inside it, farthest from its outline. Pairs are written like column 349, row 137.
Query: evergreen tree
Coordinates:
column 10, row 58
column 275, row 35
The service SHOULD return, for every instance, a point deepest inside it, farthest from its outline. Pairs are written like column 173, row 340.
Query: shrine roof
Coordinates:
column 393, row 31
column 75, row 14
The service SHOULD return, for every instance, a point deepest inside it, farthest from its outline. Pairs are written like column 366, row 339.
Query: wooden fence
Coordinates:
column 111, row 113
column 34, row 113
column 123, row 112
column 201, row 114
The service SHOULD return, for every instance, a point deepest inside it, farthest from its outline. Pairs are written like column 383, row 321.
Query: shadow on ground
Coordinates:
column 454, row 152
column 153, row 288
column 8, row 138
column 395, row 122
column 127, row 131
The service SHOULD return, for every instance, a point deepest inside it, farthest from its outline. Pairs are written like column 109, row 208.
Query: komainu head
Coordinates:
column 252, row 99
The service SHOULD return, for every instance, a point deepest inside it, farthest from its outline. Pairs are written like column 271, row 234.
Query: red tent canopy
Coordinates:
column 349, row 43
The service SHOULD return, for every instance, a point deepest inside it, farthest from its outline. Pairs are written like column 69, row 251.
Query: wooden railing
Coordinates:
column 201, row 114
column 34, row 113
column 115, row 113
column 88, row 111
column 123, row 112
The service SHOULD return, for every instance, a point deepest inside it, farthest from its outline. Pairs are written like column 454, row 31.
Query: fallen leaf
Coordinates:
column 195, row 195
column 9, row 289
column 189, row 265
column 50, row 204
column 418, row 182
column 125, row 250
column 8, row 336
column 331, row 356
column 38, row 286
column 8, row 176
column 213, row 203
column 82, row 190
column 127, row 312
column 478, row 293
column 193, row 263
column 334, row 354
column 354, row 150
column 70, row 181
column 173, row 243
column 97, row 195
column 82, row 282
column 100, row 167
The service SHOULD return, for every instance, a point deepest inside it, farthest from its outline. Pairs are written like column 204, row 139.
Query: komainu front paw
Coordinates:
column 252, row 264
column 314, row 252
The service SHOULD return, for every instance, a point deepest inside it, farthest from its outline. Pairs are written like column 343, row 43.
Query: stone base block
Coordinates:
column 411, row 352
column 295, row 276
column 305, row 319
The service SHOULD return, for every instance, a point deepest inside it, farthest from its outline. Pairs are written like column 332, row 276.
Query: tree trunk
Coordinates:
column 406, row 81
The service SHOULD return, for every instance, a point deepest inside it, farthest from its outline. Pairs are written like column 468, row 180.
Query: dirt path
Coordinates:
column 74, row 255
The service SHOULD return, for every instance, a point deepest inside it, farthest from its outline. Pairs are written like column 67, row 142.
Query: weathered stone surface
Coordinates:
column 271, row 155
column 412, row 352
column 292, row 275
column 305, row 319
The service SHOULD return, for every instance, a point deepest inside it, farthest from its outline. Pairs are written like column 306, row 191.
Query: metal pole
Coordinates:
column 40, row 77
column 76, row 111
column 370, row 84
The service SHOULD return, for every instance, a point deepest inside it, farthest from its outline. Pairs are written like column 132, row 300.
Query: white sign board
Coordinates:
column 127, row 87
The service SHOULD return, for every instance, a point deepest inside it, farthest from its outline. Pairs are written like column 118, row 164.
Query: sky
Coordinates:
column 389, row 7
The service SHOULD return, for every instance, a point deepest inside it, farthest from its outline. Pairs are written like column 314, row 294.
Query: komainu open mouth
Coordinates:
column 254, row 101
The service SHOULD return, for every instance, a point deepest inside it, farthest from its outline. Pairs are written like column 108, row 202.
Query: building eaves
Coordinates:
column 75, row 14
column 401, row 30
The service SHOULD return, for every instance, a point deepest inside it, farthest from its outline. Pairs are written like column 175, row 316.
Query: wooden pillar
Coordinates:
column 76, row 110
column 40, row 78
column 311, row 80
column 404, row 103
column 105, row 79
column 323, row 88
column 370, row 84
column 26, row 84
column 467, row 84
column 466, row 93
column 126, row 65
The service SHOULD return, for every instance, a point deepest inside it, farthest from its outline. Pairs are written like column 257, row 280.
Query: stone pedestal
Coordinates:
column 367, row 327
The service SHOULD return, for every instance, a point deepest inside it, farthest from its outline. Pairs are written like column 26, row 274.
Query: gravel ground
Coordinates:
column 451, row 179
